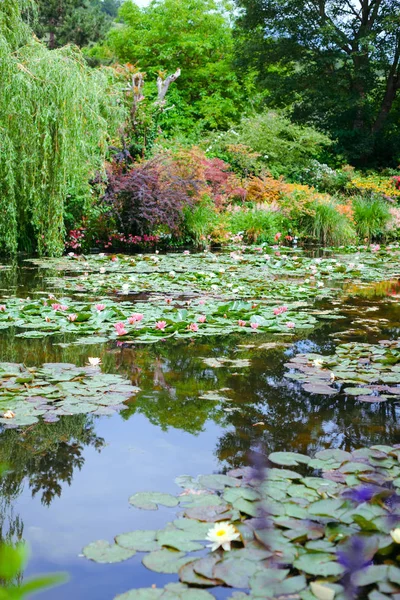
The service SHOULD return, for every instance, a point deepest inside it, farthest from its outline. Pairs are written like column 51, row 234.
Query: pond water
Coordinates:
column 71, row 479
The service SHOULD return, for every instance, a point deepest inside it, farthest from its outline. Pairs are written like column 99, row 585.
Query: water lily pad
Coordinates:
column 139, row 540
column 103, row 552
column 150, row 500
column 178, row 539
column 166, row 560
column 289, row 459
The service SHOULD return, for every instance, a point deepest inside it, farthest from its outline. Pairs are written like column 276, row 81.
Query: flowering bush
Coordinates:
column 377, row 184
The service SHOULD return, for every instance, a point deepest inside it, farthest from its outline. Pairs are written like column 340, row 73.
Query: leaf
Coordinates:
column 218, row 482
column 372, row 574
column 235, row 572
column 178, row 539
column 150, row 500
column 139, row 540
column 102, row 552
column 289, row 459
column 166, row 561
column 318, row 564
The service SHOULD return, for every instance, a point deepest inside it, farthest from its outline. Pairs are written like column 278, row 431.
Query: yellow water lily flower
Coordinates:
column 395, row 533
column 222, row 534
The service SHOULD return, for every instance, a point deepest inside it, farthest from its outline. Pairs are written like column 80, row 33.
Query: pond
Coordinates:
column 203, row 358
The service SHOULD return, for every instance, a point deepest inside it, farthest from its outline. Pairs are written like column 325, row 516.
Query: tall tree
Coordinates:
column 80, row 22
column 336, row 61
column 195, row 36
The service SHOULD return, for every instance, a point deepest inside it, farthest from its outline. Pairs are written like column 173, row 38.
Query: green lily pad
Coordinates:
column 150, row 500
column 103, row 552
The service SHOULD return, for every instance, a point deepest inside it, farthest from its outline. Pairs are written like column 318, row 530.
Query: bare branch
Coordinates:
column 163, row 85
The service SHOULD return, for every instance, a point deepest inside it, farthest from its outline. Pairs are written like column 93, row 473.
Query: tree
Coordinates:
column 80, row 22
column 54, row 128
column 337, row 62
column 194, row 36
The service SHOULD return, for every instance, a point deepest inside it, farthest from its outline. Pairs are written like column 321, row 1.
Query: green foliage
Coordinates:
column 53, row 124
column 371, row 216
column 329, row 226
column 198, row 222
column 195, row 36
column 256, row 225
column 334, row 64
column 80, row 22
column 284, row 147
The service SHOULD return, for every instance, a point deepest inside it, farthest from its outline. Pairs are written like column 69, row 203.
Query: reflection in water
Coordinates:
column 246, row 406
column 45, row 457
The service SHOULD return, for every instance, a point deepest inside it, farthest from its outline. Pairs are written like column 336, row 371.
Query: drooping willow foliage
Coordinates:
column 54, row 121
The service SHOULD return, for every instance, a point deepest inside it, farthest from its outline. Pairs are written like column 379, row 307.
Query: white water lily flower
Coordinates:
column 222, row 534
column 333, row 376
column 125, row 287
column 94, row 361
column 318, row 363
column 9, row 414
column 395, row 533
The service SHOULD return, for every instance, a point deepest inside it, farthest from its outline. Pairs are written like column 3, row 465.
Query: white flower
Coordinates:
column 320, row 284
column 172, row 273
column 222, row 534
column 318, row 363
column 94, row 361
column 125, row 287
column 102, row 270
column 9, row 414
column 333, row 377
column 395, row 533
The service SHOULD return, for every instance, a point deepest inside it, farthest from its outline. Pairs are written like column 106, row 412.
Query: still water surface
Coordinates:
column 71, row 480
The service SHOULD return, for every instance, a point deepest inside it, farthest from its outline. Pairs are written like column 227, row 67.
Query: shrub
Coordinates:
column 371, row 216
column 148, row 195
column 329, row 225
column 256, row 225
column 284, row 148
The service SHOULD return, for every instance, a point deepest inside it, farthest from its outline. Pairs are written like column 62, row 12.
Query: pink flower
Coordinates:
column 290, row 324
column 51, row 296
column 277, row 236
column 56, row 306
column 279, row 310
column 241, row 323
column 193, row 327
column 120, row 328
column 72, row 317
column 135, row 318
column 63, row 307
column 161, row 325
column 2, row 307
column 114, row 258
column 202, row 301
column 254, row 325
column 100, row 307
column 168, row 300
column 186, row 252
column 202, row 319
column 47, row 319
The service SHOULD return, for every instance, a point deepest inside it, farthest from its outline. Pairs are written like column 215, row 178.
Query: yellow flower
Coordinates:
column 222, row 534
column 395, row 533
column 94, row 362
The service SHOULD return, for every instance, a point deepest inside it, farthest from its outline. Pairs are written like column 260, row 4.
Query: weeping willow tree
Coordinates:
column 54, row 119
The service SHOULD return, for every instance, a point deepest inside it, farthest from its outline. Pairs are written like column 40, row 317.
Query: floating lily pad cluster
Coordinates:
column 148, row 321
column 370, row 373
column 245, row 272
column 58, row 389
column 300, row 526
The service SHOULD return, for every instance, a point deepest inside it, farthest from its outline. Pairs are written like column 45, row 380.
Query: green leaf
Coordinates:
column 102, row 552
column 139, row 540
column 150, row 500
column 166, row 561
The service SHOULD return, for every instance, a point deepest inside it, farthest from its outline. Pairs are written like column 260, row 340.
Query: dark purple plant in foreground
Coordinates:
column 354, row 555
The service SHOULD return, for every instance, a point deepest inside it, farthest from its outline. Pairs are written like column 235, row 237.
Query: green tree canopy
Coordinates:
column 54, row 125
column 336, row 62
column 80, row 22
column 195, row 36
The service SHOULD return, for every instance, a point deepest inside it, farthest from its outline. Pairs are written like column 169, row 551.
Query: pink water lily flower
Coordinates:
column 135, row 318
column 202, row 319
column 254, row 325
column 161, row 325
column 100, row 307
column 193, row 327
column 120, row 328
column 290, row 324
column 2, row 307
column 168, row 300
column 202, row 301
column 56, row 306
column 279, row 310
column 47, row 319
column 241, row 323
column 72, row 317
column 63, row 307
